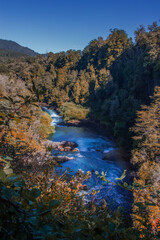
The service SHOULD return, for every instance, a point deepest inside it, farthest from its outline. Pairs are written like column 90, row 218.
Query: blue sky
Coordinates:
column 59, row 25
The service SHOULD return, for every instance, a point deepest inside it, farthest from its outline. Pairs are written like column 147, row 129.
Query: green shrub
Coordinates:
column 71, row 111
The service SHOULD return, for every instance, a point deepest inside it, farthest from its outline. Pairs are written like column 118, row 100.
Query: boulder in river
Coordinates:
column 64, row 146
column 78, row 123
column 61, row 159
column 83, row 187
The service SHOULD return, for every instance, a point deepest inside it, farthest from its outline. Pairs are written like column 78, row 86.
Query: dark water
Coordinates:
column 92, row 146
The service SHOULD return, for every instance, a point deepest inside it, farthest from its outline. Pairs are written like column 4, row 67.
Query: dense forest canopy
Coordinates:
column 111, row 77
column 110, row 83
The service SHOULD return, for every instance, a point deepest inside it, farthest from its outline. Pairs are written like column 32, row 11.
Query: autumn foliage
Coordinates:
column 146, row 156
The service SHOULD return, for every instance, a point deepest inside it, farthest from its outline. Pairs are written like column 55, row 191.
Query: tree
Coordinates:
column 146, row 156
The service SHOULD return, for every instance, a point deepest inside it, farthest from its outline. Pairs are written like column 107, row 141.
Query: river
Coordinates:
column 92, row 146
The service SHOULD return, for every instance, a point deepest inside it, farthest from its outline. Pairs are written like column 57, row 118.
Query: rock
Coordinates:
column 84, row 187
column 73, row 122
column 64, row 146
column 69, row 144
column 78, row 123
column 65, row 149
column 62, row 159
column 75, row 150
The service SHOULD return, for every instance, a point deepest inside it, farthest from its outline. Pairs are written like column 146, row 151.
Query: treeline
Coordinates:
column 111, row 77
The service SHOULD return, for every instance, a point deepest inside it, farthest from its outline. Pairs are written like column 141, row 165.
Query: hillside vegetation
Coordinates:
column 114, row 82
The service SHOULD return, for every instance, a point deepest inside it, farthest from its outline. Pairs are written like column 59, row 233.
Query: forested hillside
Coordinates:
column 113, row 82
column 11, row 54
column 111, row 77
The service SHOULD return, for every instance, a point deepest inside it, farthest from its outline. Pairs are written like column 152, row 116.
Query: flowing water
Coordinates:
column 92, row 146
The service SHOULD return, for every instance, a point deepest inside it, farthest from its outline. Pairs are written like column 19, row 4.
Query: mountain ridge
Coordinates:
column 13, row 46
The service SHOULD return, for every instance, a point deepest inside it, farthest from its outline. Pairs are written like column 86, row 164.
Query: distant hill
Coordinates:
column 12, row 46
column 11, row 54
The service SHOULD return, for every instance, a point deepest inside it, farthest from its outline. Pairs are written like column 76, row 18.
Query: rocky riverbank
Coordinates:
column 64, row 146
column 77, row 123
